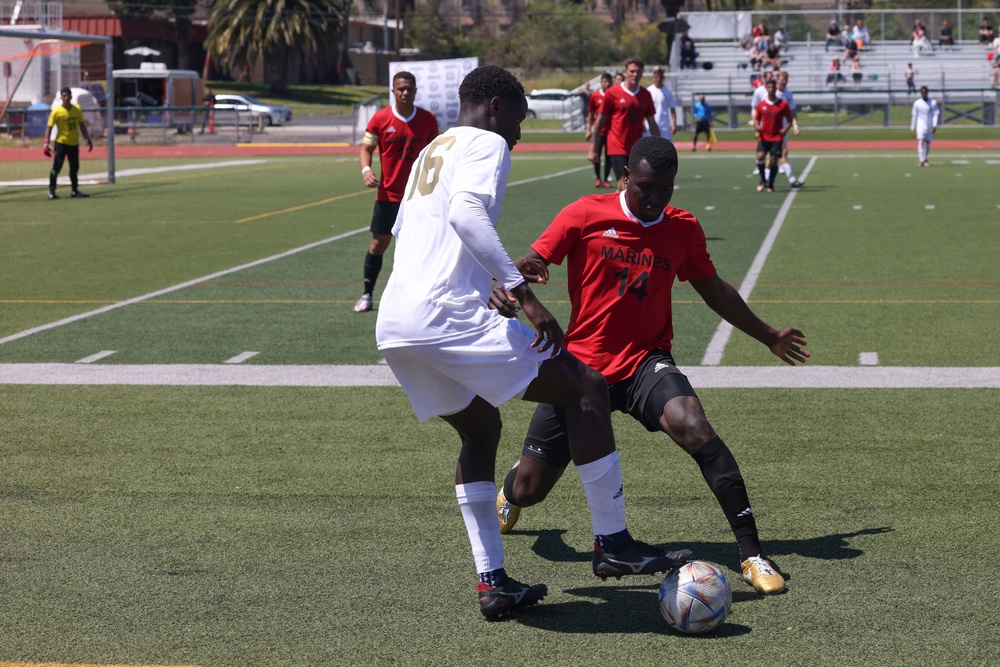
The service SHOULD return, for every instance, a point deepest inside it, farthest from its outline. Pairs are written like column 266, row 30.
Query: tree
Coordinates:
column 558, row 34
column 241, row 32
column 431, row 32
column 178, row 11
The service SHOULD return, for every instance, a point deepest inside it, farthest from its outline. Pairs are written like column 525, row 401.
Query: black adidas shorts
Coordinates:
column 384, row 216
column 655, row 382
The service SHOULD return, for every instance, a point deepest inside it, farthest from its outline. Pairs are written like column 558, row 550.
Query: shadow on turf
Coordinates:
column 617, row 610
column 634, row 608
column 550, row 545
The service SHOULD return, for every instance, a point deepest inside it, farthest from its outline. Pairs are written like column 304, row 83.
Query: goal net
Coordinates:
column 36, row 65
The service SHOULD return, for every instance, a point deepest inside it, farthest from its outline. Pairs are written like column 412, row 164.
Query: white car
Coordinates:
column 554, row 103
column 271, row 114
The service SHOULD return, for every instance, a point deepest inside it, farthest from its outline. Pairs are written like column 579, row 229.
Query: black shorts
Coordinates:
column 384, row 216
column 770, row 147
column 618, row 163
column 643, row 395
column 702, row 126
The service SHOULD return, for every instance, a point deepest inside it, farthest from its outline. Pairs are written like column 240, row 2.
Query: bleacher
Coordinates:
column 958, row 75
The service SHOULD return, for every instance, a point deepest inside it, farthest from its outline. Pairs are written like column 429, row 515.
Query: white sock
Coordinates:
column 602, row 482
column 786, row 169
column 767, row 174
column 477, row 500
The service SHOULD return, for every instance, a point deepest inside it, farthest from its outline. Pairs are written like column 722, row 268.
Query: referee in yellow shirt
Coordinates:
column 68, row 117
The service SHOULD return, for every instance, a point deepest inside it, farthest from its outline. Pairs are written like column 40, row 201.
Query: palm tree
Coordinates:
column 241, row 32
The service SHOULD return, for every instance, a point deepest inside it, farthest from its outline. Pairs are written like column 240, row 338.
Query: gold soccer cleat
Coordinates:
column 759, row 573
column 506, row 513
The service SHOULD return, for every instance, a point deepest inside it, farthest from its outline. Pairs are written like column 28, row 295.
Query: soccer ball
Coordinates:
column 695, row 598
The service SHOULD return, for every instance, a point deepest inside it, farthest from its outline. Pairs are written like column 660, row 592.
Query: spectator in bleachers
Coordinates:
column 918, row 39
column 850, row 48
column 985, row 33
column 772, row 56
column 860, row 36
column 835, row 75
column 756, row 57
column 945, row 38
column 833, row 36
column 761, row 35
column 781, row 38
column 911, row 77
column 688, row 53
column 856, row 70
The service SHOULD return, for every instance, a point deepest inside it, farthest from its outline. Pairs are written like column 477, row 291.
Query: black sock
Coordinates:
column 494, row 578
column 774, row 172
column 615, row 542
column 373, row 264
column 762, row 169
column 508, row 486
column 723, row 476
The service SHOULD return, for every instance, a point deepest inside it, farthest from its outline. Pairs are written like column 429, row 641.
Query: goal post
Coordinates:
column 36, row 65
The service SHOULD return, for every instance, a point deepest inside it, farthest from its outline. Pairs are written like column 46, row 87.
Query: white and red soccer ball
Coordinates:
column 695, row 598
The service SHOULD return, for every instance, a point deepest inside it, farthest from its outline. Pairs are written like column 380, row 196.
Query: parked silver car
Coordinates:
column 554, row 103
column 251, row 110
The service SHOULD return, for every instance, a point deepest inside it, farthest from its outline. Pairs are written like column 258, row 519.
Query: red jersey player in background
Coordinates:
column 623, row 252
column 773, row 120
column 594, row 105
column 625, row 108
column 399, row 131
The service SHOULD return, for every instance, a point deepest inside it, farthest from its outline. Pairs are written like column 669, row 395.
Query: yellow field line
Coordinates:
column 304, row 206
column 49, row 301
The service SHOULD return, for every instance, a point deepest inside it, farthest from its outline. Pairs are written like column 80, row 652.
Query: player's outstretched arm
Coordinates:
column 786, row 344
column 549, row 333
column 533, row 267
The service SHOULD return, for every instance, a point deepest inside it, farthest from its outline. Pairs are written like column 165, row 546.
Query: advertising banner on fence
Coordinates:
column 437, row 84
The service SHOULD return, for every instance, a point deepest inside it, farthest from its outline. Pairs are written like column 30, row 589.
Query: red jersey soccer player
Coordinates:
column 399, row 131
column 625, row 108
column 594, row 105
column 623, row 253
column 772, row 114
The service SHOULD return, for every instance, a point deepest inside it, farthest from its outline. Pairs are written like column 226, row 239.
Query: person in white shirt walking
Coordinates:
column 923, row 123
column 663, row 101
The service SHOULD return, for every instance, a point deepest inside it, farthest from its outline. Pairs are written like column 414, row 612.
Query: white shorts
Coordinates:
column 925, row 136
column 443, row 378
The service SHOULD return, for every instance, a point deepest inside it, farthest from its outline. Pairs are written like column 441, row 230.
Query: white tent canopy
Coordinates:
column 142, row 51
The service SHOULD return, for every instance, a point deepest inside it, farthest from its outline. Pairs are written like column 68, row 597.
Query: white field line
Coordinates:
column 713, row 354
column 174, row 288
column 235, row 269
column 241, row 357
column 704, row 377
column 91, row 179
column 95, row 357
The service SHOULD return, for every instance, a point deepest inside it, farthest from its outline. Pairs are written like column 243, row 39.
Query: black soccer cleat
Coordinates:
column 498, row 601
column 637, row 558
column 77, row 194
column 53, row 195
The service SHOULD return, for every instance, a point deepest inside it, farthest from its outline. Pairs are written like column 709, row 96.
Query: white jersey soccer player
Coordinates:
column 420, row 306
column 924, row 119
column 663, row 102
